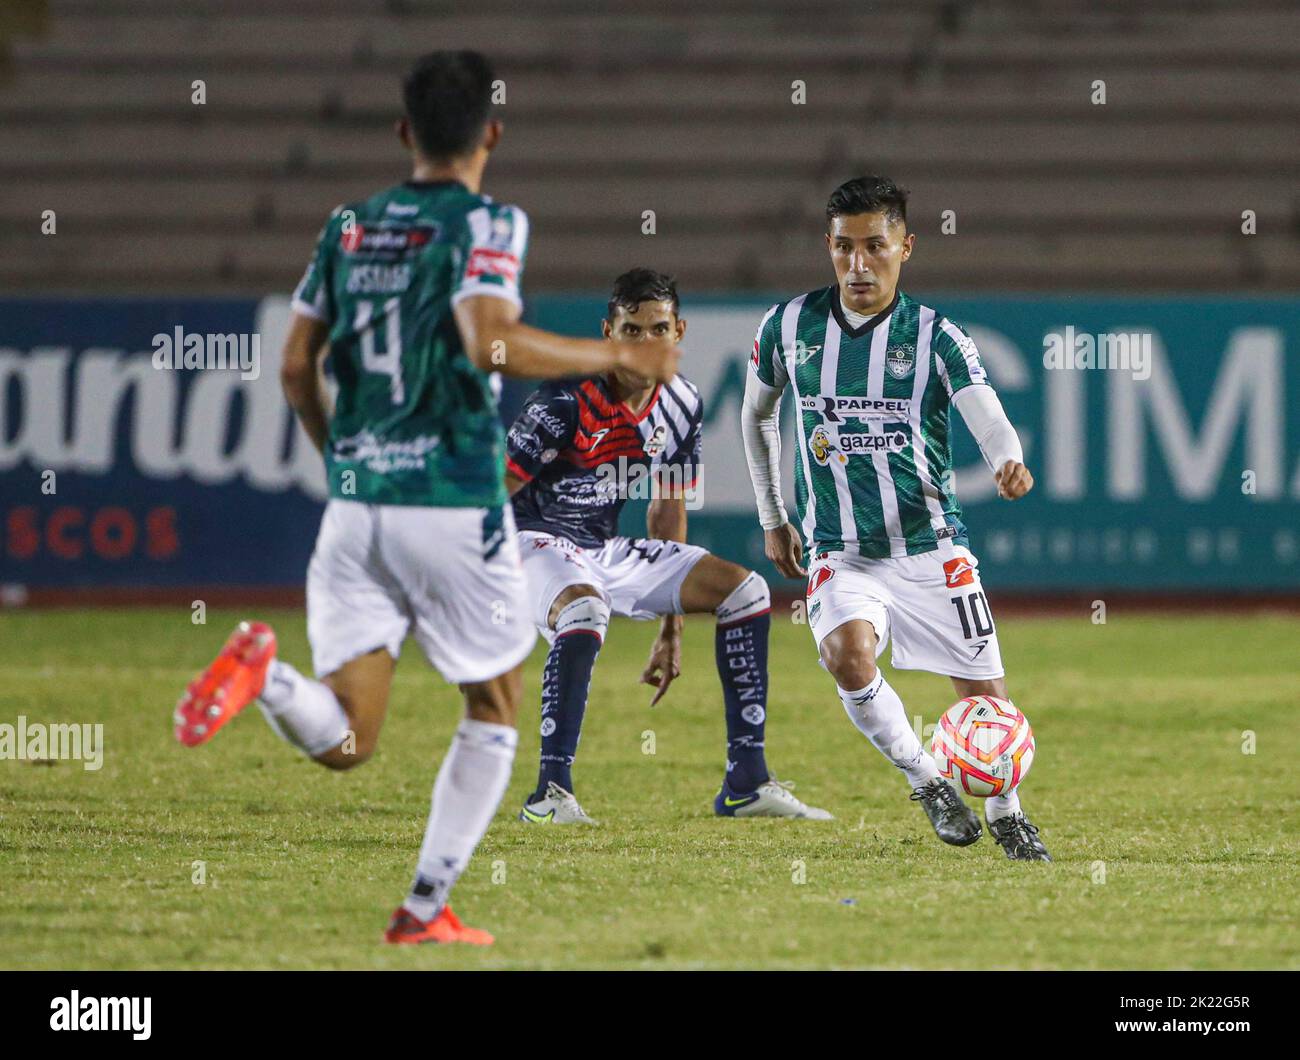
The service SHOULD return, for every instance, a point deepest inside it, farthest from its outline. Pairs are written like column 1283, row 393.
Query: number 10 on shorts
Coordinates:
column 973, row 610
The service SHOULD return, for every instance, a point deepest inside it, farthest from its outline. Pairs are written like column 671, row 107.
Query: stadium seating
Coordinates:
column 982, row 108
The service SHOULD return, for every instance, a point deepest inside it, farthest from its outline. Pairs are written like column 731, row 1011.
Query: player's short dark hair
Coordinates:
column 641, row 285
column 868, row 195
column 448, row 97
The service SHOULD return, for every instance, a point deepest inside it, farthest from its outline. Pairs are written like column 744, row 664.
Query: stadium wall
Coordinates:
column 1176, row 471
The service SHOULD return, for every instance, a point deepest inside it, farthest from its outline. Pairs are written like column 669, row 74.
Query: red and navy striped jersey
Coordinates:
column 581, row 453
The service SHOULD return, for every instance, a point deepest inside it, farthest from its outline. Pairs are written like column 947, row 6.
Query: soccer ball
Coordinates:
column 983, row 744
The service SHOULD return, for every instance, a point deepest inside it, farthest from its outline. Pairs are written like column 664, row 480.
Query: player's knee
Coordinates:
column 851, row 662
column 747, row 600
column 584, row 614
column 573, row 594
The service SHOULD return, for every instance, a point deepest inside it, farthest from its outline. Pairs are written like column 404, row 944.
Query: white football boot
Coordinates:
column 556, row 807
column 772, row 798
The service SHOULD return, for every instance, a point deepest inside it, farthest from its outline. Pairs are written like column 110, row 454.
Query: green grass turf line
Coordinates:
column 1173, row 848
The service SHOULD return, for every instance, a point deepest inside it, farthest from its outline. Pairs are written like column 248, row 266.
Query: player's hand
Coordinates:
column 665, row 664
column 1014, row 481
column 653, row 358
column 783, row 547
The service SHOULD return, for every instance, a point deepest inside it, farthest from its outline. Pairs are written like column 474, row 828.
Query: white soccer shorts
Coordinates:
column 932, row 605
column 450, row 576
column 638, row 577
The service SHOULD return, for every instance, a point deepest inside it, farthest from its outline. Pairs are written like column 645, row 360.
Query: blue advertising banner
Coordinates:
column 1164, row 436
column 116, row 471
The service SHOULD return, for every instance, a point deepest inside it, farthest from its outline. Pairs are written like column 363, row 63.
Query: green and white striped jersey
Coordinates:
column 415, row 422
column 873, row 469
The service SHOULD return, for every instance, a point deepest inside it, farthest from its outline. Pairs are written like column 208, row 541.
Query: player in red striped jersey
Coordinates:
column 574, row 455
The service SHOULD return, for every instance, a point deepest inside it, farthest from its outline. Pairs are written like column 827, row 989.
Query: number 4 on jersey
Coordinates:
column 388, row 361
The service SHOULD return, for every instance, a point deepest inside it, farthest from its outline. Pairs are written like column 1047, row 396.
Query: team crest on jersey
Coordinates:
column 657, row 441
column 900, row 360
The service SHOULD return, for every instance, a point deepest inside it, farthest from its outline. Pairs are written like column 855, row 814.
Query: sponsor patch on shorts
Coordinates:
column 958, row 572
column 819, row 577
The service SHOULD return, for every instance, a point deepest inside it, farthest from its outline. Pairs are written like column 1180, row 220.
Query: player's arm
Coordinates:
column 496, row 340
column 672, row 485
column 300, row 376
column 486, row 299
column 304, row 348
column 665, row 520
column 968, row 388
column 543, row 429
column 760, row 429
column 993, row 433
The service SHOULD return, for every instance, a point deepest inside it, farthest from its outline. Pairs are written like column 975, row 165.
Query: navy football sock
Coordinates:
column 566, row 681
column 742, row 665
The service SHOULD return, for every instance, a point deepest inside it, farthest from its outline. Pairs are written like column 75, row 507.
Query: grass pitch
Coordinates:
column 1174, row 847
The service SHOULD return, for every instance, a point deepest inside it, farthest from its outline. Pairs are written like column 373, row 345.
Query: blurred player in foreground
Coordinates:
column 873, row 374
column 414, row 295
column 574, row 455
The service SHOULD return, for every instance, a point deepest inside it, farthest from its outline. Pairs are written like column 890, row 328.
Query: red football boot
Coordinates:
column 227, row 686
column 445, row 927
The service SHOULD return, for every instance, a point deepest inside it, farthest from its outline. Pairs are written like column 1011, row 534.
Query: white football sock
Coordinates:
column 747, row 600
column 303, row 712
column 466, row 794
column 879, row 715
column 999, row 806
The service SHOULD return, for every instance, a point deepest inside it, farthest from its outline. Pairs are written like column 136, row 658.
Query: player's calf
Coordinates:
column 878, row 713
column 740, row 649
column 471, row 781
column 361, row 687
column 849, row 653
column 579, row 619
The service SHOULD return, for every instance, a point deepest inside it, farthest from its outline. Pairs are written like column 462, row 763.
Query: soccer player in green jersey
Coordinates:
column 413, row 294
column 873, row 374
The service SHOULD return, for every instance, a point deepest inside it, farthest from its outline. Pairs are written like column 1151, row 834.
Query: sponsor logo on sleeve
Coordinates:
column 484, row 261
column 541, row 416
